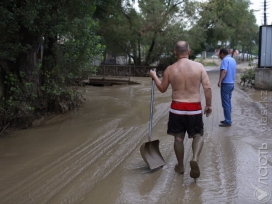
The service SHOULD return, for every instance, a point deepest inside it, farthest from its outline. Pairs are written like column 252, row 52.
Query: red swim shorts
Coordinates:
column 185, row 117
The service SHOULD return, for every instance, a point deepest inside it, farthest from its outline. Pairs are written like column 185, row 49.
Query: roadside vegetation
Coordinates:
column 208, row 62
column 47, row 47
column 248, row 78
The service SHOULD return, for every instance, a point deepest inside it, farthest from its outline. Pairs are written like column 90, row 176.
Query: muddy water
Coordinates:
column 92, row 155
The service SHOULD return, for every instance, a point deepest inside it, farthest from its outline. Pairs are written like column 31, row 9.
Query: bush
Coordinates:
column 46, row 47
column 248, row 76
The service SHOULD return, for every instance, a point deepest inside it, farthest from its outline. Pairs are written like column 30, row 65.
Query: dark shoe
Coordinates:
column 225, row 125
column 222, row 121
column 195, row 173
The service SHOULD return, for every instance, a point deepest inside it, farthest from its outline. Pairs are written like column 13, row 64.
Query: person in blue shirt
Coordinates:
column 226, row 82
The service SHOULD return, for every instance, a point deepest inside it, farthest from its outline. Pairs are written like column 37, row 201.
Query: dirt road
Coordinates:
column 92, row 156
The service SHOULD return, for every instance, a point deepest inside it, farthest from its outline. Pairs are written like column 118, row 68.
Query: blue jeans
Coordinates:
column 226, row 93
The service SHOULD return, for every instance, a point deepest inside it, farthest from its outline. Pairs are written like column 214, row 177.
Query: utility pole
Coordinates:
column 265, row 12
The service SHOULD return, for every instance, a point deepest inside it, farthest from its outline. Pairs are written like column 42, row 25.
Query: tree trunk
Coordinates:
column 49, row 60
column 139, row 53
column 147, row 63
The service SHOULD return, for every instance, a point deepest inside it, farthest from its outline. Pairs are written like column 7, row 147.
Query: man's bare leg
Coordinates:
column 179, row 151
column 197, row 145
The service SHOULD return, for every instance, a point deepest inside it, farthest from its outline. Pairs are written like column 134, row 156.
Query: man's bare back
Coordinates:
column 185, row 77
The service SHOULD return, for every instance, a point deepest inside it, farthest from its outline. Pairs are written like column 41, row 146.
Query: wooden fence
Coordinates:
column 123, row 70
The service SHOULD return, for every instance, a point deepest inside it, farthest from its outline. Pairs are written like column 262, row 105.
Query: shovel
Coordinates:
column 150, row 150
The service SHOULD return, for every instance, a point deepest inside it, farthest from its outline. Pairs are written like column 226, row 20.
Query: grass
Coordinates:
column 207, row 62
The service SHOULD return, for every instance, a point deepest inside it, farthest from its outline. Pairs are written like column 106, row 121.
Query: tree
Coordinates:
column 227, row 21
column 67, row 31
column 147, row 35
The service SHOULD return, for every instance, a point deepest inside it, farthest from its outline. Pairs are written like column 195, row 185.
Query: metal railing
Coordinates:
column 123, row 70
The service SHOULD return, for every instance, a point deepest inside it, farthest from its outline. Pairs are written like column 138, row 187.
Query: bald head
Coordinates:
column 182, row 48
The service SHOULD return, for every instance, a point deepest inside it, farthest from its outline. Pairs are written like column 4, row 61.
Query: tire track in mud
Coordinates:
column 84, row 162
column 43, row 173
column 95, row 174
column 70, row 166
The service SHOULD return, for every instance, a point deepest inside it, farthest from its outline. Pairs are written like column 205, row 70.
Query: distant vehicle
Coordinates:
column 214, row 56
column 198, row 55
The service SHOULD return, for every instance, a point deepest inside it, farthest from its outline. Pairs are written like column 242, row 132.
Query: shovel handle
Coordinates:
column 151, row 110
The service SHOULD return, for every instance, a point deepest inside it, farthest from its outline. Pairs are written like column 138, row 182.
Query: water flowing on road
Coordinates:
column 92, row 155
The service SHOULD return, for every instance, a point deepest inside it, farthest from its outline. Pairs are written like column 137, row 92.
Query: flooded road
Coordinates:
column 92, row 155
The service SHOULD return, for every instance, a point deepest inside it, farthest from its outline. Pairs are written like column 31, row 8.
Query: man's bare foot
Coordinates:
column 179, row 170
column 195, row 172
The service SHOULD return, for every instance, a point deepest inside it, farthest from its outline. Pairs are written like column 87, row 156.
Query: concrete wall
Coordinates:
column 263, row 78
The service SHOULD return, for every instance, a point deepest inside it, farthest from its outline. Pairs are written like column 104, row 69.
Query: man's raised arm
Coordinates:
column 162, row 86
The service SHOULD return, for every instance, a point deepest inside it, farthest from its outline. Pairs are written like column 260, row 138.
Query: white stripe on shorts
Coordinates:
column 185, row 112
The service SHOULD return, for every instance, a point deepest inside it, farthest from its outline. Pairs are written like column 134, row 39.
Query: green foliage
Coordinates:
column 230, row 21
column 148, row 36
column 66, row 31
column 75, row 57
column 248, row 75
column 209, row 64
column 250, row 61
column 19, row 103
column 206, row 62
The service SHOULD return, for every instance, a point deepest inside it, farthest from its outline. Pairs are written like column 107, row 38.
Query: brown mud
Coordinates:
column 92, row 155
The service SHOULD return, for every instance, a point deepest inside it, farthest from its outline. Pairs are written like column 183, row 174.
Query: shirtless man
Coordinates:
column 185, row 77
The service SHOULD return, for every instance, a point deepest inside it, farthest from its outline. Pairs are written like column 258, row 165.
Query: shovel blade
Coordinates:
column 151, row 154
